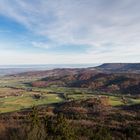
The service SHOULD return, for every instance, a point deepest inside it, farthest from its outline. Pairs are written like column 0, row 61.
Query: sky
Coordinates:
column 69, row 31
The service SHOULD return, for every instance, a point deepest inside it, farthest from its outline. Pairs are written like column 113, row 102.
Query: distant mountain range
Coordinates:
column 120, row 67
column 16, row 69
column 104, row 68
column 109, row 77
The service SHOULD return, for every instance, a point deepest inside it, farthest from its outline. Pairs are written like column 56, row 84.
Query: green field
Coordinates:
column 14, row 95
column 16, row 103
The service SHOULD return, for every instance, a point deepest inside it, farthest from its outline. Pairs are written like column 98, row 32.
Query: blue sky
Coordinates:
column 69, row 31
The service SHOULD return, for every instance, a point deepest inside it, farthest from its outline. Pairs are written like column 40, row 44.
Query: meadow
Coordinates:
column 16, row 94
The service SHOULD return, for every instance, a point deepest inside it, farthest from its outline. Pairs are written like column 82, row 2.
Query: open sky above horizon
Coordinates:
column 69, row 31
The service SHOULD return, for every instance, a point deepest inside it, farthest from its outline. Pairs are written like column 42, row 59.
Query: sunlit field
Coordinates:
column 16, row 95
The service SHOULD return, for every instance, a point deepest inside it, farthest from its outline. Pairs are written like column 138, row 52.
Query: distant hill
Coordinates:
column 120, row 67
column 40, row 69
column 109, row 77
column 122, row 83
column 9, row 71
column 104, row 68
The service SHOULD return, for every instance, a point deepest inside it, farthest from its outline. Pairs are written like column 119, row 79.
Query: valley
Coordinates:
column 24, row 90
column 93, row 100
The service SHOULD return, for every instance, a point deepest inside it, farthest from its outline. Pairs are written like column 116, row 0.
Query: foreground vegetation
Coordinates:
column 100, row 122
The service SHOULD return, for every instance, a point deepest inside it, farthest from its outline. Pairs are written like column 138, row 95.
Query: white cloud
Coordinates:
column 111, row 28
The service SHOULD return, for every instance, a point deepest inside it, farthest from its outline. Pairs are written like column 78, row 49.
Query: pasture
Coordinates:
column 16, row 95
